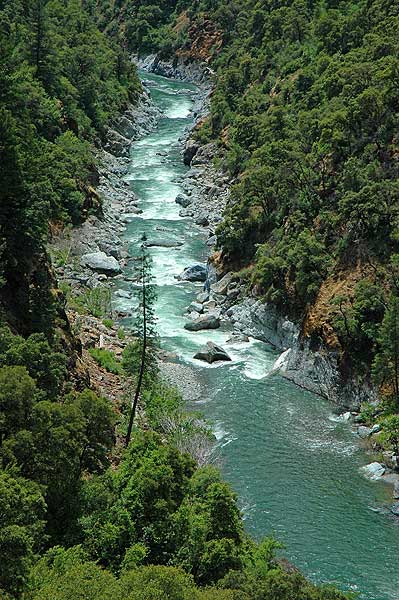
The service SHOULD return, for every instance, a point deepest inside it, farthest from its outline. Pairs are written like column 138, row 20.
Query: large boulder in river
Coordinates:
column 212, row 353
column 207, row 321
column 101, row 263
column 194, row 273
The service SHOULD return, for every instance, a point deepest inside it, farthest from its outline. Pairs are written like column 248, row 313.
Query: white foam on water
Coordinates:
column 180, row 110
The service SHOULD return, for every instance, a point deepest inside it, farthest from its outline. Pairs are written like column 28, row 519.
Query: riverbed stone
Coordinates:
column 202, row 297
column 202, row 220
column 364, row 432
column 196, row 307
column 123, row 294
column 101, row 262
column 374, row 470
column 190, row 151
column 395, row 509
column 208, row 321
column 212, row 353
column 237, row 338
column 194, row 273
column 210, row 305
column 182, row 200
column 376, row 428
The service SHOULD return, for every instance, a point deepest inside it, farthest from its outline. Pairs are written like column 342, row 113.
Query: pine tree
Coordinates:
column 143, row 351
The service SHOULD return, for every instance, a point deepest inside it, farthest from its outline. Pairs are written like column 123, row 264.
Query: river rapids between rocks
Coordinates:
column 294, row 465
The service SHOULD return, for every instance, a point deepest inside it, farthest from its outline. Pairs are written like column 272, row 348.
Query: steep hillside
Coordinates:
column 61, row 82
column 305, row 110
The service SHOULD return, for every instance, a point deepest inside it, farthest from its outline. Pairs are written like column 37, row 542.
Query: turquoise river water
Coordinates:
column 294, row 464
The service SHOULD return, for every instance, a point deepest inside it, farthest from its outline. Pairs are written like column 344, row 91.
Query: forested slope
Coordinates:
column 61, row 82
column 305, row 110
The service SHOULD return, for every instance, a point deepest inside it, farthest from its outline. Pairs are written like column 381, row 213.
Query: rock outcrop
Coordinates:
column 212, row 353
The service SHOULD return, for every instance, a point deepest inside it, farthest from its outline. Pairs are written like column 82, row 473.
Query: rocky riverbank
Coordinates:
column 88, row 260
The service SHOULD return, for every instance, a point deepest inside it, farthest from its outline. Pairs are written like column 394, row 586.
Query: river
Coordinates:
column 294, row 465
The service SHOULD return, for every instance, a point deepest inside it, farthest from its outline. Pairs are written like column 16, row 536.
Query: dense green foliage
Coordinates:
column 49, row 441
column 61, row 82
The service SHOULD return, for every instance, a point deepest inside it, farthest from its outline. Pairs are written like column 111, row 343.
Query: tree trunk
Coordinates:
column 142, row 368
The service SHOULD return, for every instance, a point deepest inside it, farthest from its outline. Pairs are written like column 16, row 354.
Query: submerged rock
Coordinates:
column 212, row 353
column 165, row 243
column 207, row 321
column 123, row 294
column 194, row 273
column 395, row 509
column 100, row 262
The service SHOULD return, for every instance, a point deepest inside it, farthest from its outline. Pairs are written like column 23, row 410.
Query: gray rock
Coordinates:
column 233, row 294
column 395, row 509
column 123, row 294
column 212, row 353
column 376, row 428
column 100, row 262
column 220, row 287
column 374, row 470
column 196, row 307
column 207, row 321
column 182, row 200
column 165, row 243
column 194, row 273
column 346, row 416
column 209, row 305
column 202, row 220
column 237, row 338
column 185, row 212
column 211, row 241
column 110, row 249
column 395, row 492
column 202, row 297
column 117, row 144
column 190, row 151
column 364, row 432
